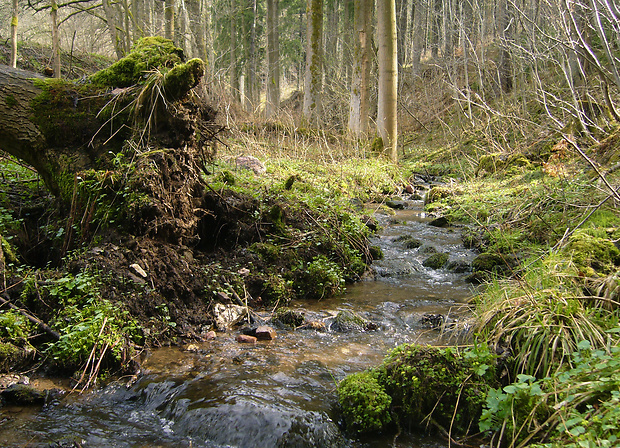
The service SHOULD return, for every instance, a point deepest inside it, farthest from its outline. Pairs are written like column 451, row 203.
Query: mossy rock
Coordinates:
column 10, row 356
column 427, row 250
column 436, row 194
column 364, row 403
column 492, row 163
column 441, row 384
column 376, row 252
column 348, row 321
column 458, row 266
column 592, row 255
column 24, row 395
column 289, row 318
column 409, row 241
column 436, row 261
column 489, row 264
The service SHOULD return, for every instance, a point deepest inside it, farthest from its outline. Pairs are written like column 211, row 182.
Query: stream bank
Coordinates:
column 274, row 393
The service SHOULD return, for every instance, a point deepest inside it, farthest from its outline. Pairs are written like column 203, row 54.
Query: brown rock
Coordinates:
column 265, row 333
column 315, row 325
column 209, row 335
column 245, row 339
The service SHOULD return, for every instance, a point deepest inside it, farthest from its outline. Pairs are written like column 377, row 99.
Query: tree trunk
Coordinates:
column 273, row 59
column 360, row 86
column 235, row 86
column 313, row 85
column 14, row 20
column 61, row 128
column 55, row 39
column 110, row 16
column 387, row 123
column 168, row 19
column 506, row 27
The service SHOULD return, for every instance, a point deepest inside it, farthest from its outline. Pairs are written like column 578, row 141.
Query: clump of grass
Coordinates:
column 542, row 318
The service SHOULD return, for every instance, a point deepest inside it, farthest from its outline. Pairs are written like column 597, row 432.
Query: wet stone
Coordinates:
column 436, row 261
column 432, row 321
column 246, row 339
column 314, row 325
column 458, row 266
column 265, row 333
column 442, row 221
column 23, row 394
column 396, row 204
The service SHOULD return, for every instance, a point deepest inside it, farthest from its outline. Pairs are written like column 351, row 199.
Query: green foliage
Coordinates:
column 96, row 325
column 575, row 407
column 365, row 405
column 87, row 322
column 276, row 290
column 14, row 326
column 320, row 278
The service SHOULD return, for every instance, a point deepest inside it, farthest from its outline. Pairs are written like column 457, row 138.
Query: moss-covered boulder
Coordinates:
column 288, row 317
column 436, row 261
column 421, row 387
column 348, row 321
column 489, row 264
column 492, row 163
column 364, row 403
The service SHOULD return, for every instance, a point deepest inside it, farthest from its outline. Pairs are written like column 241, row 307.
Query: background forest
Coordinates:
column 516, row 70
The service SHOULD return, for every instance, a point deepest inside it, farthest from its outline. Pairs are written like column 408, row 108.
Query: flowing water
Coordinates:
column 278, row 393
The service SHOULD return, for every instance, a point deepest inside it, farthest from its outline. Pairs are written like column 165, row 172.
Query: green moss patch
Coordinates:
column 149, row 53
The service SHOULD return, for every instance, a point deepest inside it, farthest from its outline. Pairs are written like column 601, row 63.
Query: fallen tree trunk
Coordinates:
column 61, row 128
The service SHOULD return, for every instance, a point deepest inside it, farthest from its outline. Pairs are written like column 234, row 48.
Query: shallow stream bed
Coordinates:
column 279, row 393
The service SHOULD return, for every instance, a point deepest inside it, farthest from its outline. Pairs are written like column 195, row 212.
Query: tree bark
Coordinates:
column 60, row 128
column 273, row 59
column 387, row 123
column 313, row 85
column 14, row 20
column 55, row 39
column 169, row 19
column 110, row 16
column 360, row 85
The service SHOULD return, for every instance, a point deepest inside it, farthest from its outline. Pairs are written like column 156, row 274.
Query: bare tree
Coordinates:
column 55, row 39
column 360, row 85
column 273, row 59
column 387, row 123
column 313, row 85
column 14, row 19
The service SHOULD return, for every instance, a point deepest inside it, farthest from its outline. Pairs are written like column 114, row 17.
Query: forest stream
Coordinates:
column 279, row 393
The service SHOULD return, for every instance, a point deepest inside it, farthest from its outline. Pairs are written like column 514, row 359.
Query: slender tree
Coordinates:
column 55, row 39
column 387, row 123
column 360, row 85
column 169, row 6
column 14, row 20
column 313, row 84
column 273, row 59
